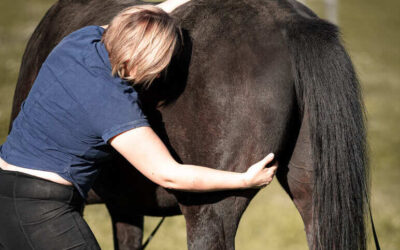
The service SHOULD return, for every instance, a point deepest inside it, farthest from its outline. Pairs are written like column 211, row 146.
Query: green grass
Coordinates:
column 370, row 33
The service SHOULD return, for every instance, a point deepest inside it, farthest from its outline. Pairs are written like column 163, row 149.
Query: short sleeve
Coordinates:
column 115, row 111
column 121, row 120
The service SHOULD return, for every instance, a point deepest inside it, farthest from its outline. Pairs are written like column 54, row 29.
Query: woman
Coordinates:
column 81, row 107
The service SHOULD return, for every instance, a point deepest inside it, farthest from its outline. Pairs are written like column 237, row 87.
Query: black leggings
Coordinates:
column 39, row 214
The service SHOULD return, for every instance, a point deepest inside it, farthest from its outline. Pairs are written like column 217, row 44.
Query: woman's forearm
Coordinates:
column 197, row 179
column 144, row 150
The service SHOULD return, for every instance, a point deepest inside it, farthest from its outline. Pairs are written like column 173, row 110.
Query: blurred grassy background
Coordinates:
column 371, row 35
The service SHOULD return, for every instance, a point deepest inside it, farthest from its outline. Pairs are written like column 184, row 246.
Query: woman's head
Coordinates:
column 141, row 41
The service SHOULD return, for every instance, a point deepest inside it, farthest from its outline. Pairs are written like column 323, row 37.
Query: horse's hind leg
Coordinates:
column 212, row 225
column 297, row 179
column 127, row 230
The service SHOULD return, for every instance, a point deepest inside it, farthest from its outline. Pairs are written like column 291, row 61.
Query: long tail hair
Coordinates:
column 327, row 87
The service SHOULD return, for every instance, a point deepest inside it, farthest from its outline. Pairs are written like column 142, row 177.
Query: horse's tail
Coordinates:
column 327, row 87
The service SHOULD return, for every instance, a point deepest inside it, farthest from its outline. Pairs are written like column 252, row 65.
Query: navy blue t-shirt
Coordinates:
column 74, row 107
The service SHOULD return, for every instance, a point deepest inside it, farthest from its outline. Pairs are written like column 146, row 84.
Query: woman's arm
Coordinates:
column 169, row 5
column 145, row 150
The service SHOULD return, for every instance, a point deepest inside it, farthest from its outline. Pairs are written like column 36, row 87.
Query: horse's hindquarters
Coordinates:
column 238, row 106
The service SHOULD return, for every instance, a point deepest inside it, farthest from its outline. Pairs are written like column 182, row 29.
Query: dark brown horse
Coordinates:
column 255, row 76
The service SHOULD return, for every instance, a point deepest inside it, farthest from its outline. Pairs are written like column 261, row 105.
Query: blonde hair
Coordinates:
column 141, row 40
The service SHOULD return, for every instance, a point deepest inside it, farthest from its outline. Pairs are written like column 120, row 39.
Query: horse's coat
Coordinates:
column 255, row 76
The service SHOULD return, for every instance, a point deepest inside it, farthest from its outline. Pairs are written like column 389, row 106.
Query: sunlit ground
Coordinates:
column 370, row 33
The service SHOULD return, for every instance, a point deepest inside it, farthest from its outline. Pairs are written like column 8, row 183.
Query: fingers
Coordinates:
column 261, row 164
column 267, row 159
column 270, row 172
column 273, row 168
column 258, row 175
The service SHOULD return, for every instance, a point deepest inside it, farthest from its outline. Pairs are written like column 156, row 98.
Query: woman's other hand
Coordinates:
column 258, row 175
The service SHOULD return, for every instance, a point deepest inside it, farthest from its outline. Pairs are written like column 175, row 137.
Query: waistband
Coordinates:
column 15, row 184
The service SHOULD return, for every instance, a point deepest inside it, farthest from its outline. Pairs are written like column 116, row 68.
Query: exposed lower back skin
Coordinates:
column 38, row 173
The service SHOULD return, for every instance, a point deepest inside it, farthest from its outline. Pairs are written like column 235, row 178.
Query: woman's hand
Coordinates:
column 258, row 175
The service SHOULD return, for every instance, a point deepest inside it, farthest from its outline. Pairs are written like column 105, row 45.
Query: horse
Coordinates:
column 253, row 77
